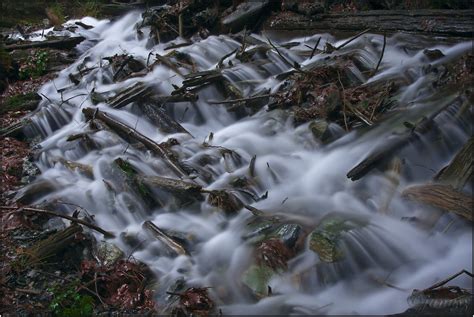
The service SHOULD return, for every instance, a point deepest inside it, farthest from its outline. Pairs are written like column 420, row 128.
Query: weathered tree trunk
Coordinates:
column 460, row 170
column 441, row 22
column 63, row 43
column 164, row 122
column 174, row 246
column 122, row 128
column 444, row 197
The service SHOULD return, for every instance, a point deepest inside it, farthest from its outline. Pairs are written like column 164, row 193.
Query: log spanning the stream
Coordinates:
column 441, row 22
column 122, row 128
column 60, row 43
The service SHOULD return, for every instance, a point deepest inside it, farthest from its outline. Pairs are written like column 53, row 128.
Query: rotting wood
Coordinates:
column 246, row 14
column 62, row 43
column 134, row 183
column 161, row 119
column 460, row 170
column 137, row 92
column 106, row 234
column 44, row 250
column 114, row 124
column 444, row 197
column 159, row 234
column 15, row 130
column 175, row 186
column 441, row 22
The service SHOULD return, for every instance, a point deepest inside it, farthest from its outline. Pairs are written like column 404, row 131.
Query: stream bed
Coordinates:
column 348, row 239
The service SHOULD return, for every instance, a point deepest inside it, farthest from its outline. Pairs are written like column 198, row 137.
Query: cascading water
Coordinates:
column 306, row 181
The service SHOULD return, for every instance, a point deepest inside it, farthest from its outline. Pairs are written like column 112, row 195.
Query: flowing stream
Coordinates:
column 304, row 179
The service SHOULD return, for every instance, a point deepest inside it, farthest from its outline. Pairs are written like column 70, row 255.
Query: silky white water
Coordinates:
column 303, row 178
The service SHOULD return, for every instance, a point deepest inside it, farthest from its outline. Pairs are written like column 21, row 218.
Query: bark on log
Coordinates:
column 460, row 170
column 164, row 122
column 174, row 186
column 159, row 234
column 63, row 43
column 440, row 22
column 444, row 197
column 129, row 95
column 246, row 14
column 114, row 124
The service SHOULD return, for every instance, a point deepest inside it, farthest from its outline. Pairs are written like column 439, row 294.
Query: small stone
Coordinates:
column 108, row 253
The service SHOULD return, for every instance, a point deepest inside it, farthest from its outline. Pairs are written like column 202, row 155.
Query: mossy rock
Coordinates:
column 326, row 238
column 28, row 101
column 257, row 277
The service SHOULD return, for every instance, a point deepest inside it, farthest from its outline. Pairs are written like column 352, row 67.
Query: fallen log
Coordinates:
column 114, row 124
column 245, row 15
column 107, row 234
column 440, row 22
column 15, row 130
column 42, row 251
column 159, row 234
column 444, row 197
column 174, row 186
column 59, row 43
column 135, row 93
column 135, row 185
column 164, row 122
column 460, row 170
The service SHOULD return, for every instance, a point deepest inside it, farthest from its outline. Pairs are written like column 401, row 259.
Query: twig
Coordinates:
column 215, row 102
column 343, row 101
column 221, row 61
column 55, row 214
column 254, row 211
column 294, row 65
column 63, row 101
column 352, row 39
column 315, row 47
column 452, row 277
column 381, row 55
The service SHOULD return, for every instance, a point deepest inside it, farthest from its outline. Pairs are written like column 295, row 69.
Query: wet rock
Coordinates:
column 30, row 171
column 325, row 239
column 108, row 253
column 433, row 54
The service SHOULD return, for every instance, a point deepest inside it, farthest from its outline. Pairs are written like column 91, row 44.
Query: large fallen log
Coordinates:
column 441, row 22
column 246, row 14
column 60, row 43
column 444, row 197
column 122, row 128
column 460, row 170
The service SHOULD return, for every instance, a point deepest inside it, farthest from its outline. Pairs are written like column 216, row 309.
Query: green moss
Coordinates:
column 36, row 65
column 26, row 101
column 325, row 240
column 257, row 278
column 67, row 301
